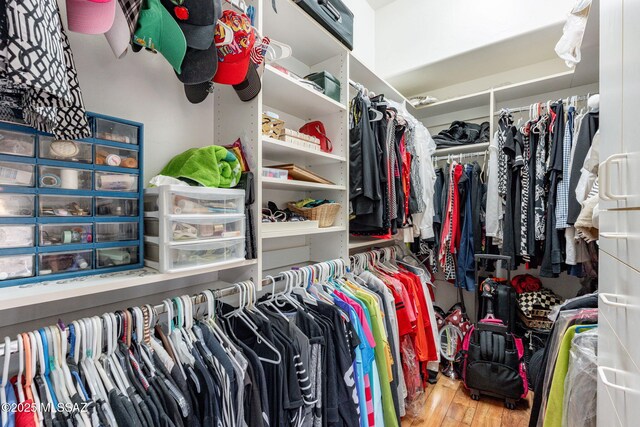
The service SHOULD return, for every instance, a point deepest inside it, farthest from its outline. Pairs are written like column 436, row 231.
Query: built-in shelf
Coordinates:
column 368, row 242
column 274, row 149
column 360, row 73
column 293, row 185
column 465, row 102
column 50, row 291
column 552, row 83
column 301, row 232
column 287, row 94
column 461, row 149
column 310, row 42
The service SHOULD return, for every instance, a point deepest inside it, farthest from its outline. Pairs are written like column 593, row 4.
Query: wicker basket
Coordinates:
column 325, row 214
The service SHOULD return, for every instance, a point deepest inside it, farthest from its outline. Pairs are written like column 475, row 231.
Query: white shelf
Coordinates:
column 274, row 149
column 293, row 185
column 311, row 43
column 534, row 87
column 50, row 291
column 368, row 242
column 465, row 102
column 301, row 232
column 360, row 73
column 286, row 94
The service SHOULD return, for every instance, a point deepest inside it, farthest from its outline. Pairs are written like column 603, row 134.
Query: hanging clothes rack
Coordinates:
column 543, row 104
column 460, row 156
column 200, row 298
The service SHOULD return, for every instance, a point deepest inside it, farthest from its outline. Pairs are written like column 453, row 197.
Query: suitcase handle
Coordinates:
column 331, row 10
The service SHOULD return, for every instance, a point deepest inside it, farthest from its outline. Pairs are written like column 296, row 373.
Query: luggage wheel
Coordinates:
column 475, row 395
column 510, row 404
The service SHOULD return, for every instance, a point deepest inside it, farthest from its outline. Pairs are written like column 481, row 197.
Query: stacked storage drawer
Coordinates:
column 193, row 227
column 69, row 208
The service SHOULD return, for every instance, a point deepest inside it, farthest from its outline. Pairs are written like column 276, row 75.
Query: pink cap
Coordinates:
column 90, row 16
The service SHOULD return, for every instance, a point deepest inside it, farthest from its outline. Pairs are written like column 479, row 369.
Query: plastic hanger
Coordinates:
column 5, row 377
column 238, row 313
column 20, row 368
column 33, row 347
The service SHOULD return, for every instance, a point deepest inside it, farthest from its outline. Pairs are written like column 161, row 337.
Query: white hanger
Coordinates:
column 5, row 376
column 34, row 366
column 20, row 368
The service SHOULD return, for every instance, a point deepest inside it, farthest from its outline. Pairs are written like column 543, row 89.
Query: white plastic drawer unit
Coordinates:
column 177, row 257
column 182, row 228
column 620, row 235
column 182, row 200
column 619, row 178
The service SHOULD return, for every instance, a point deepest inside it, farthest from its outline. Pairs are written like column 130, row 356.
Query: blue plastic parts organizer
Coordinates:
column 81, row 201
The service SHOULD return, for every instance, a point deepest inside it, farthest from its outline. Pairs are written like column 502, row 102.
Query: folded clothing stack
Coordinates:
column 463, row 133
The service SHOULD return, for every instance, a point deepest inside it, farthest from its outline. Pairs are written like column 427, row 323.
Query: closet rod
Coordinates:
column 460, row 156
column 528, row 107
column 196, row 299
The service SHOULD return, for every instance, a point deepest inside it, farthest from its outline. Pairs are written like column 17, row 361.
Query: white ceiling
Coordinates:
column 377, row 4
column 522, row 51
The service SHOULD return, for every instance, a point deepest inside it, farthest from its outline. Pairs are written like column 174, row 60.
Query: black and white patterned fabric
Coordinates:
column 525, row 178
column 504, row 124
column 541, row 172
column 38, row 62
column 131, row 9
column 544, row 299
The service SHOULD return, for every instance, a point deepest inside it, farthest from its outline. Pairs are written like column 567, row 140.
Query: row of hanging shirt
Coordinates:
column 331, row 348
column 458, row 222
column 534, row 170
column 390, row 176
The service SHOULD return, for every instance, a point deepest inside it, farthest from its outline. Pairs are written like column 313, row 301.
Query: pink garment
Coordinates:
column 363, row 318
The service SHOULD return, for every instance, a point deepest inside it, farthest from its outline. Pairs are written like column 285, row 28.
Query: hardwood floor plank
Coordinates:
column 488, row 413
column 449, row 404
column 436, row 407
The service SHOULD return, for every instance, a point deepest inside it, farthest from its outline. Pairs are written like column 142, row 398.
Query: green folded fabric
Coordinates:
column 210, row 166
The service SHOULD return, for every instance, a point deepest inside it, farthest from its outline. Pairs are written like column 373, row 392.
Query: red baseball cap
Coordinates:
column 233, row 57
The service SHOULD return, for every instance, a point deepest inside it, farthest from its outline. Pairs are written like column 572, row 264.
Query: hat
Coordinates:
column 233, row 58
column 251, row 86
column 158, row 31
column 124, row 25
column 199, row 66
column 90, row 16
column 198, row 92
column 197, row 20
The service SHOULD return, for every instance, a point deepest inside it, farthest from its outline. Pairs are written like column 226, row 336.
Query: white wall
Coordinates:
column 364, row 34
column 411, row 33
column 141, row 87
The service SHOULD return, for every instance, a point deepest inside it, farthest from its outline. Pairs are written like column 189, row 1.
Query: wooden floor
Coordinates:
column 447, row 404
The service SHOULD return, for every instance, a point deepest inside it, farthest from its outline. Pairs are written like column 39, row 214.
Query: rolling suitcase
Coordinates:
column 504, row 299
column 493, row 360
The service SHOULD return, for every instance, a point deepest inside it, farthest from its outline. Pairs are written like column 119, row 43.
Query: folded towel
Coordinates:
column 210, row 166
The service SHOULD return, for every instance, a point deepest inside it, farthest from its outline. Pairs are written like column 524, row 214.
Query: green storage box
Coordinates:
column 326, row 81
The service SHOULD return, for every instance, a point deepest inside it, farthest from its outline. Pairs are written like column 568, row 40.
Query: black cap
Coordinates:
column 199, row 66
column 198, row 92
column 197, row 20
column 250, row 86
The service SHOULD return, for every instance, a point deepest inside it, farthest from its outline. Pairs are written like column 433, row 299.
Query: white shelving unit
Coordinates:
column 274, row 149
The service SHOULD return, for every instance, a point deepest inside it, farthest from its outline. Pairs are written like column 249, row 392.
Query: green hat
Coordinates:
column 157, row 30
